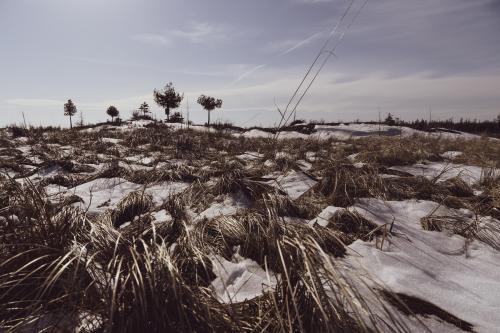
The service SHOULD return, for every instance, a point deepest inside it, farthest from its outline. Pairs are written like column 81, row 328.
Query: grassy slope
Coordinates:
column 73, row 268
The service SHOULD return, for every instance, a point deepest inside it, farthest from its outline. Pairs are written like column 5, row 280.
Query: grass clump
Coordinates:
column 343, row 183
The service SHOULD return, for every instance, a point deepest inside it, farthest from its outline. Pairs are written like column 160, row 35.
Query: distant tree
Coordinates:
column 209, row 104
column 389, row 120
column 81, row 121
column 168, row 98
column 70, row 110
column 176, row 118
column 144, row 108
column 113, row 112
column 498, row 118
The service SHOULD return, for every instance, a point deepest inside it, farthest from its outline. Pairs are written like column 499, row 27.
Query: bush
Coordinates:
column 226, row 125
column 136, row 115
column 176, row 117
column 18, row 131
column 297, row 122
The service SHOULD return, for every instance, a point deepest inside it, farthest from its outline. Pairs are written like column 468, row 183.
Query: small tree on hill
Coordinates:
column 144, row 108
column 113, row 112
column 80, row 122
column 209, row 104
column 70, row 110
column 168, row 98
column 390, row 120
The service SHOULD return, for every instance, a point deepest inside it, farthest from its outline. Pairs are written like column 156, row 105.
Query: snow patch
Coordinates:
column 324, row 217
column 229, row 205
column 240, row 279
column 444, row 171
column 293, row 183
column 431, row 265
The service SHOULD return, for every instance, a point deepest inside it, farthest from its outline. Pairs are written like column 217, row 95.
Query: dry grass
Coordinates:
column 137, row 281
column 343, row 183
column 155, row 276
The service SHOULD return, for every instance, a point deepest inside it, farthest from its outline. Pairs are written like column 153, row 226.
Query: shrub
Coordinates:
column 168, row 98
column 176, row 118
column 136, row 115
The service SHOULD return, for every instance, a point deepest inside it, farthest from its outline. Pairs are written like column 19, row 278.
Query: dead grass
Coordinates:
column 352, row 226
column 140, row 281
column 155, row 275
column 342, row 183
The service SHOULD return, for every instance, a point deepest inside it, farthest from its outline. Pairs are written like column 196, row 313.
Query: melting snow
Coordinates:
column 445, row 171
column 451, row 155
column 240, row 279
column 250, row 156
column 103, row 193
column 162, row 216
column 324, row 217
column 162, row 191
column 352, row 131
column 111, row 140
column 294, row 183
column 431, row 265
column 229, row 206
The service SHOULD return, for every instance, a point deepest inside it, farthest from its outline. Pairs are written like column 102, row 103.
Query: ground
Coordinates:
column 145, row 226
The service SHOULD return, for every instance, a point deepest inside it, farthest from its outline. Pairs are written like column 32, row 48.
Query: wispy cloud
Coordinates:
column 248, row 73
column 196, row 32
column 199, row 32
column 297, row 44
column 216, row 72
column 151, row 38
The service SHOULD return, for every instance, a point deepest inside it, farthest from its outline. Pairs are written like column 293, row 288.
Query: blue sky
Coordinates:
column 399, row 56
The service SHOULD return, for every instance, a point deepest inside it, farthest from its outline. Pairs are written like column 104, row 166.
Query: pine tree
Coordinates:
column 390, row 120
column 168, row 98
column 113, row 112
column 144, row 108
column 70, row 110
column 209, row 104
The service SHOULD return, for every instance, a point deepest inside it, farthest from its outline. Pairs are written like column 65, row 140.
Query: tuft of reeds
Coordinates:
column 343, row 183
column 352, row 226
column 130, row 207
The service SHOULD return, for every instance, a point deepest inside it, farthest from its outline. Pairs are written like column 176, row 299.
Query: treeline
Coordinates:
column 463, row 125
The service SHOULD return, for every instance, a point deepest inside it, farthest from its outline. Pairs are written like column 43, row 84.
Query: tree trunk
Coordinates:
column 208, row 118
column 70, row 122
column 167, row 111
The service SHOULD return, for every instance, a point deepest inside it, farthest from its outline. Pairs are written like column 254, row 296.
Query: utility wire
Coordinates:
column 330, row 53
column 323, row 48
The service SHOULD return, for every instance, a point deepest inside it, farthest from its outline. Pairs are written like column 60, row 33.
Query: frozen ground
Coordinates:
column 458, row 275
column 461, row 278
column 444, row 171
column 352, row 131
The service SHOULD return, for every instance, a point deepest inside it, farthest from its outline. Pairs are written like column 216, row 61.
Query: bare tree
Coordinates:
column 168, row 98
column 113, row 112
column 70, row 110
column 209, row 104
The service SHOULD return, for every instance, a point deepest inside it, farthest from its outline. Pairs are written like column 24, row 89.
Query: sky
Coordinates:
column 410, row 58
